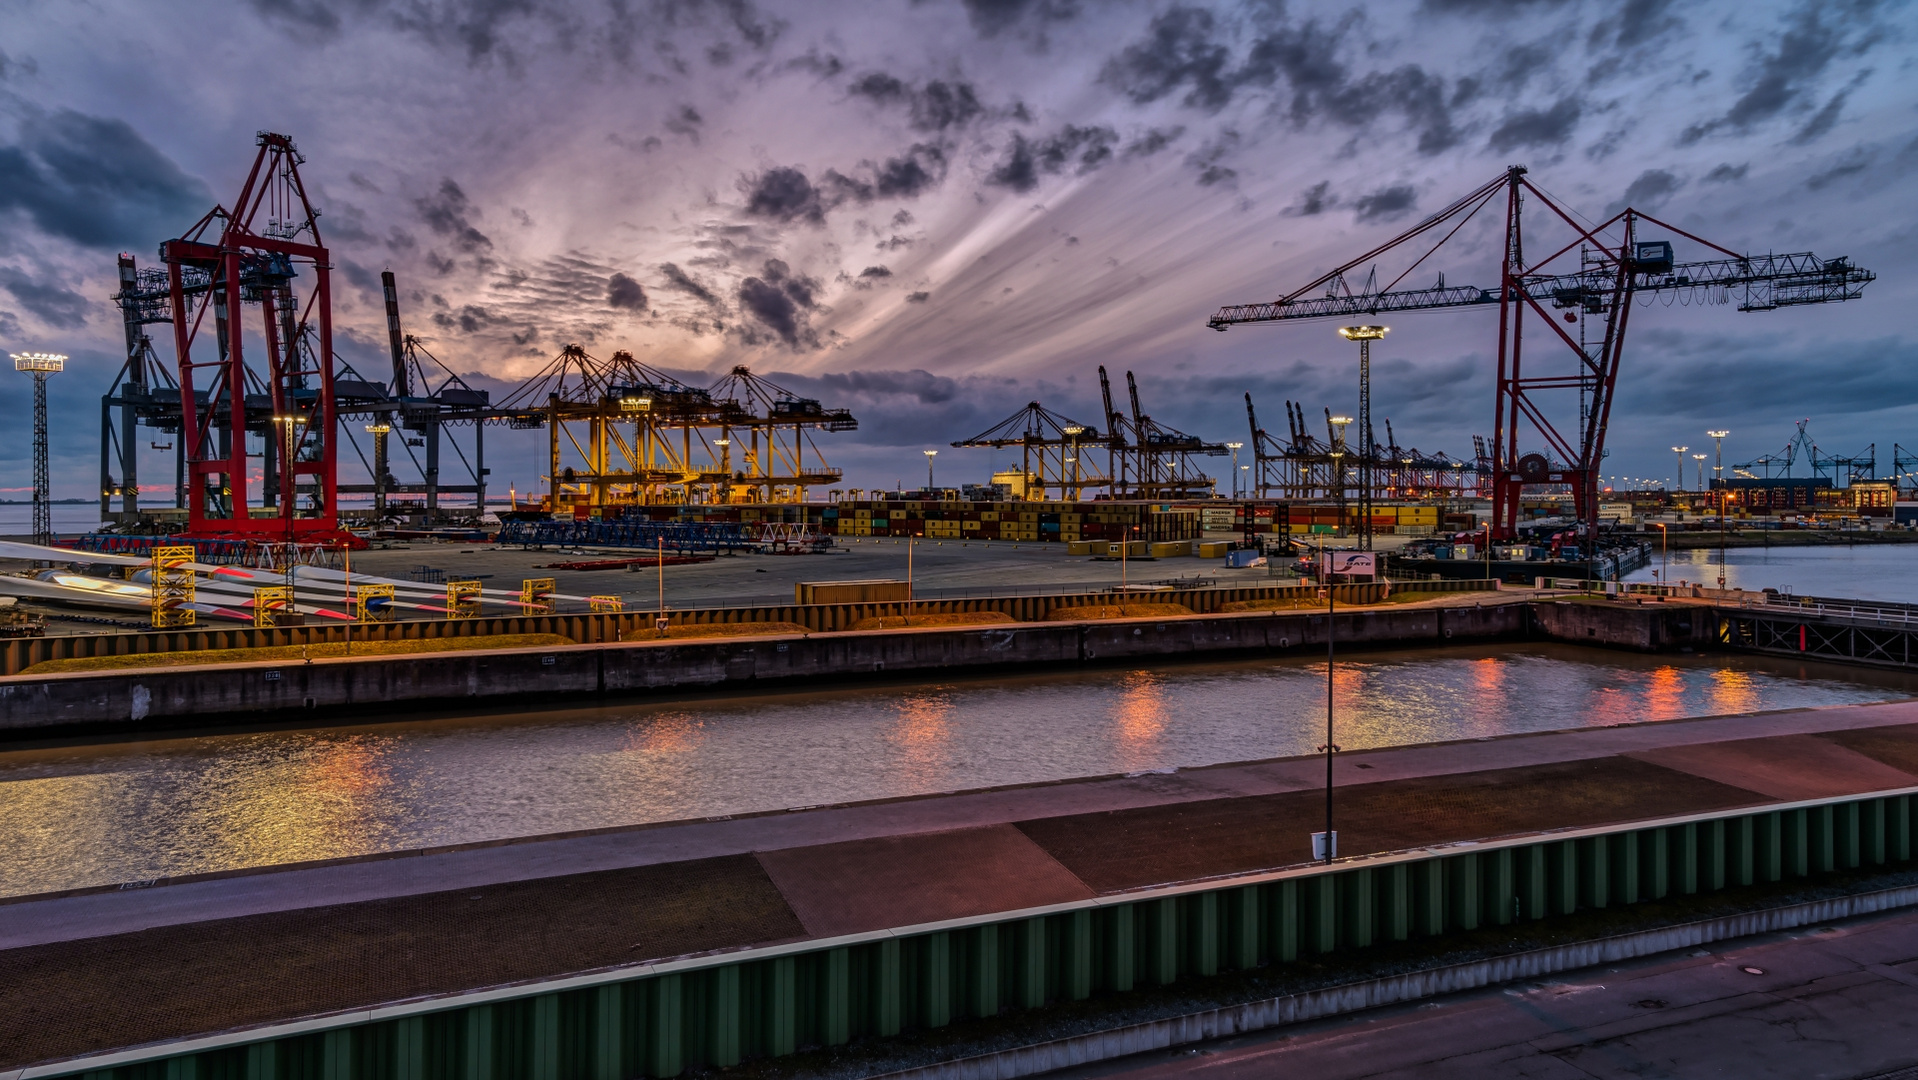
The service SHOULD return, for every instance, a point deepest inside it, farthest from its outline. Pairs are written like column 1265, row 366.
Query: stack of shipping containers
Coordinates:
column 1037, row 522
column 1412, row 519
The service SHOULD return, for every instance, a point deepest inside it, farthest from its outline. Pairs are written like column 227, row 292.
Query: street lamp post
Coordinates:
column 1718, row 480
column 289, row 506
column 379, row 431
column 1365, row 336
column 1338, row 461
column 1073, row 432
column 1234, row 447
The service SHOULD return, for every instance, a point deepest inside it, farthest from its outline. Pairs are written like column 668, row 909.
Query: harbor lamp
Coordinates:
column 1073, row 431
column 40, row 365
column 1718, row 478
column 1680, row 451
column 1365, row 336
column 1339, row 424
column 1234, row 447
column 930, row 454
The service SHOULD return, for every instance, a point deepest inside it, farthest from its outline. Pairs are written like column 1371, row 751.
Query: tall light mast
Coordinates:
column 40, row 366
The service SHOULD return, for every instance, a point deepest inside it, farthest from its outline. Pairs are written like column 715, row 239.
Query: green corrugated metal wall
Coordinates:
column 720, row 1010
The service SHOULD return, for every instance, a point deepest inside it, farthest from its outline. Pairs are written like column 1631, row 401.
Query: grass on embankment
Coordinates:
column 719, row 630
column 956, row 618
column 1117, row 611
column 295, row 652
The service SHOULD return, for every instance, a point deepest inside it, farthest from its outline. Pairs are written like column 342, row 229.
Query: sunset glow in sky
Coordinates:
column 933, row 211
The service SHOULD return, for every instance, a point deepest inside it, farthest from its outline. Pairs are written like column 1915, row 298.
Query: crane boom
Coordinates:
column 1758, row 283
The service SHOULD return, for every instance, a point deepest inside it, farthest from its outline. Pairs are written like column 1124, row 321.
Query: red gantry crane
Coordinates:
column 1615, row 265
column 265, row 252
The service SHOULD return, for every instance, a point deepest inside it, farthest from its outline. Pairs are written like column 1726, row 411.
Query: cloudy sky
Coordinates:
column 933, row 211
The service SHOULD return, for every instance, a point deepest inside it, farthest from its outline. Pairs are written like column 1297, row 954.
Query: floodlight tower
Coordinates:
column 1679, row 483
column 1365, row 336
column 40, row 366
column 1718, row 447
column 930, row 454
column 1235, row 447
column 1700, row 458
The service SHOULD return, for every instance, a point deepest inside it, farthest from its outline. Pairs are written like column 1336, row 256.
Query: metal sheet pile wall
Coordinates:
column 714, row 1011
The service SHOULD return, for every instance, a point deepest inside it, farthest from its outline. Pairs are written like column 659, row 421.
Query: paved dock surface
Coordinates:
column 1831, row 1003
column 114, row 968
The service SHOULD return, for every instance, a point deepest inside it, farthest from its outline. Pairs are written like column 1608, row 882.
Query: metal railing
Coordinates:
column 661, row 1018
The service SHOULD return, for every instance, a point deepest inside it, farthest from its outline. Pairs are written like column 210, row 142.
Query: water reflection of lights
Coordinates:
column 1140, row 710
column 922, row 734
column 104, row 813
column 1664, row 694
column 1733, row 692
column 667, row 734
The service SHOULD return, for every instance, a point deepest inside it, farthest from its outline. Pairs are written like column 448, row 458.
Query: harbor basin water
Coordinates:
column 99, row 813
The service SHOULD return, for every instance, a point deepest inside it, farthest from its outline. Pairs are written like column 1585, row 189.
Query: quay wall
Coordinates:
column 168, row 698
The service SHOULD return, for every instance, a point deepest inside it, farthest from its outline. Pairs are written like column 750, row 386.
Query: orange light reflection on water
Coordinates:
column 1139, row 716
column 667, row 734
column 1733, row 692
column 922, row 734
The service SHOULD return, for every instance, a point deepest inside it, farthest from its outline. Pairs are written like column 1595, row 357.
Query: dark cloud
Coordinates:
column 481, row 29
column 468, row 319
column 1185, row 52
column 1207, row 159
column 935, row 107
column 917, row 170
column 1537, row 127
column 449, row 214
column 1727, row 173
column 1784, row 77
column 1316, row 199
column 685, row 121
column 1651, row 188
column 299, row 14
column 1151, row 141
column 1636, row 23
column 1178, row 52
column 95, row 181
column 1081, row 149
column 991, row 17
column 625, row 293
column 1017, row 169
column 781, row 301
column 876, row 272
column 1490, row 7
column 783, row 194
column 1825, row 119
column 50, row 302
column 1386, row 204
column 680, row 281
column 1857, row 160
column 918, row 297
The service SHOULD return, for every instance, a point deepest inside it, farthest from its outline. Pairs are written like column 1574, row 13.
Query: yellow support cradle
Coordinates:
column 173, row 587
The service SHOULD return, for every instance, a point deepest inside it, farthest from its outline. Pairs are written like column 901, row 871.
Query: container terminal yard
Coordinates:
column 691, row 550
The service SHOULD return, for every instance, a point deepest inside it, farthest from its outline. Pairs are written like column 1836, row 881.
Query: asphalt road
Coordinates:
column 1837, row 1002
